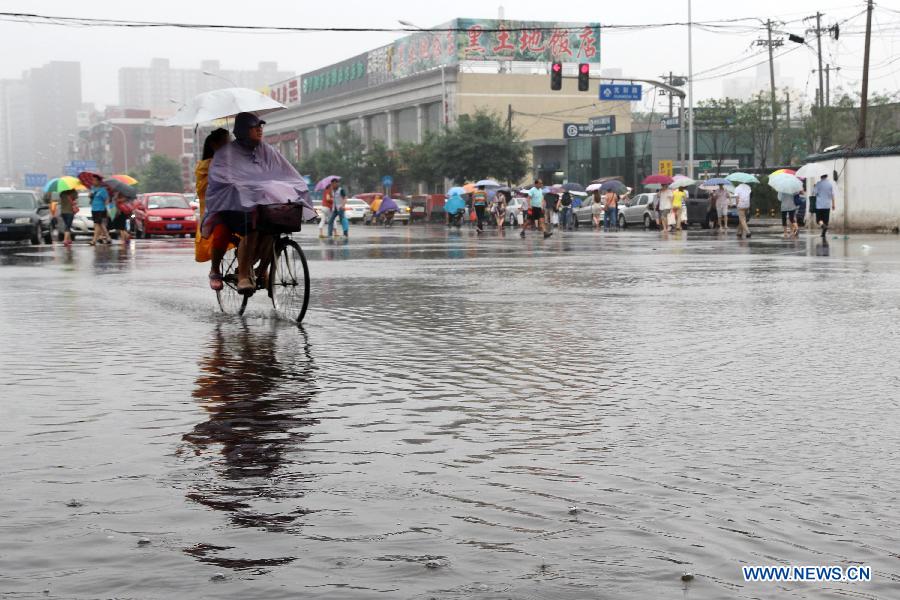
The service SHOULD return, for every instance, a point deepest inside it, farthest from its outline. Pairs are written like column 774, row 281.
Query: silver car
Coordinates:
column 583, row 215
column 640, row 210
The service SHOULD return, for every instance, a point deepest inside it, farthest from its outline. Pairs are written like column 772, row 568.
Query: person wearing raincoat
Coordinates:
column 386, row 210
column 212, row 248
column 244, row 176
column 454, row 204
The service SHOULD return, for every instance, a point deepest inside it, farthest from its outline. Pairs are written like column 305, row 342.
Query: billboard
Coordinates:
column 345, row 76
column 529, row 41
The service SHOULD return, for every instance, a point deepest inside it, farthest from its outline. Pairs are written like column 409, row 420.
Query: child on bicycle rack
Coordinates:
column 244, row 175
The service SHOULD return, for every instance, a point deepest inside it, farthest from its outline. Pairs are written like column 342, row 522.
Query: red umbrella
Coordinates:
column 87, row 178
column 657, row 178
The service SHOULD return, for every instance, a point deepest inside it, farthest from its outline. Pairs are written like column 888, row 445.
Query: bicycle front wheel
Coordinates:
column 289, row 281
column 230, row 301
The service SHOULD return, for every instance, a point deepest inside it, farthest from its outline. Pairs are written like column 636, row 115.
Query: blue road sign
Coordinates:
column 618, row 91
column 74, row 167
column 35, row 180
column 387, row 181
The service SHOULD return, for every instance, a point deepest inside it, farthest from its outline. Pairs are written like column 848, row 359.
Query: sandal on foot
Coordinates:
column 216, row 282
column 246, row 286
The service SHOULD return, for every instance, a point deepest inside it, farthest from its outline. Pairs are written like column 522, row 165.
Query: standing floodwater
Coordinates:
column 588, row 416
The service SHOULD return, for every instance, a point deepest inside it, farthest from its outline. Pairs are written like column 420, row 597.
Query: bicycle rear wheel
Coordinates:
column 289, row 280
column 230, row 301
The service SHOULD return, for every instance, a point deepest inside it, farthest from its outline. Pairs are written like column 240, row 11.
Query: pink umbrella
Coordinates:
column 326, row 182
column 657, row 179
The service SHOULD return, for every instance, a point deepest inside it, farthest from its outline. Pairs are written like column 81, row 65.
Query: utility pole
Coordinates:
column 775, row 158
column 821, row 102
column 509, row 119
column 864, row 99
column 690, row 92
column 669, row 81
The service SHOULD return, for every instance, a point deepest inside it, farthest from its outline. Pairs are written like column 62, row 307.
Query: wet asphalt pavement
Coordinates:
column 584, row 417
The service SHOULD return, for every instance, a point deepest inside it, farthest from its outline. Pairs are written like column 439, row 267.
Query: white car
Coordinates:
column 83, row 224
column 356, row 210
column 515, row 210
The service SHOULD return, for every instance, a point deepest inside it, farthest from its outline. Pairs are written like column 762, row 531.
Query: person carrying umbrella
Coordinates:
column 99, row 199
column 743, row 206
column 327, row 190
column 245, row 176
column 788, row 215
column 611, row 209
column 564, row 209
column 339, row 199
column 824, row 203
column 479, row 202
column 68, row 206
column 719, row 200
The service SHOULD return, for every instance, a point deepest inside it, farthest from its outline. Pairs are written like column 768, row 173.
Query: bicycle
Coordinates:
column 287, row 281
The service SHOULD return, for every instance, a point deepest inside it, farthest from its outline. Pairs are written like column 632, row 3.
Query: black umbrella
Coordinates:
column 115, row 185
column 615, row 185
column 573, row 187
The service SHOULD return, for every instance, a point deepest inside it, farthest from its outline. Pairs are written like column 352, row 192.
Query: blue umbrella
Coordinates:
column 456, row 191
column 716, row 181
column 615, row 185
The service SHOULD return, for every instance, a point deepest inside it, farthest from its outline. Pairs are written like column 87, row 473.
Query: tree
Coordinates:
column 480, row 146
column 161, row 174
column 721, row 116
column 377, row 162
column 421, row 162
column 343, row 156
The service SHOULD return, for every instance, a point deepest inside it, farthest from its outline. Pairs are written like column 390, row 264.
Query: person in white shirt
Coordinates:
column 664, row 200
column 720, row 197
column 743, row 206
column 824, row 203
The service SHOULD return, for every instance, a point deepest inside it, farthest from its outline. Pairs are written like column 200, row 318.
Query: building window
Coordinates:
column 407, row 126
column 378, row 128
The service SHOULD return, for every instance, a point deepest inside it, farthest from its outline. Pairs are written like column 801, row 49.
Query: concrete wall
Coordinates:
column 546, row 110
column 866, row 193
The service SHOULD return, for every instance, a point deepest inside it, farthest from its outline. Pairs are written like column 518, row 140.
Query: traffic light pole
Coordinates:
column 653, row 82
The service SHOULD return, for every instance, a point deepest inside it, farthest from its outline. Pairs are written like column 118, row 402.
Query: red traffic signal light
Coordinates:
column 556, row 76
column 584, row 77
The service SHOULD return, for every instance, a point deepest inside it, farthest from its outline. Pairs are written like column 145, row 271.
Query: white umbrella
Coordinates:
column 682, row 181
column 593, row 187
column 814, row 170
column 487, row 183
column 219, row 104
column 785, row 183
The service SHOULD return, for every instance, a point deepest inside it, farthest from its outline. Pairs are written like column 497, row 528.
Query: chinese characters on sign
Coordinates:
column 287, row 92
column 347, row 75
column 490, row 39
column 610, row 91
column 594, row 126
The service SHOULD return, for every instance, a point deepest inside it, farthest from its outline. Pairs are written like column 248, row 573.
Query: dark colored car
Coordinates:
column 698, row 212
column 163, row 213
column 24, row 217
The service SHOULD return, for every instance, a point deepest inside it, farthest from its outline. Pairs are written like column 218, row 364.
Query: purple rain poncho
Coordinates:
column 387, row 203
column 240, row 179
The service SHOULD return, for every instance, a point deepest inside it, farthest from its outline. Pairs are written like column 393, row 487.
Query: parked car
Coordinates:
column 163, row 213
column 356, row 210
column 515, row 210
column 83, row 223
column 640, row 210
column 583, row 215
column 23, row 216
column 698, row 212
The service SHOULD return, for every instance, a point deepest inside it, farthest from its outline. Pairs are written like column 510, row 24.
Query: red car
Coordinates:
column 163, row 213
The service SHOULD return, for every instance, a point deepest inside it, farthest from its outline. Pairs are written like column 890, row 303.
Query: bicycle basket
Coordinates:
column 281, row 218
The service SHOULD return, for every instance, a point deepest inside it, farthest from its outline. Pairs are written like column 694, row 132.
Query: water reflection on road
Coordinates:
column 459, row 417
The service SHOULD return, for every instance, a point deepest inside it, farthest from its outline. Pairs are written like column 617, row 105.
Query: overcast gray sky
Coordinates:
column 638, row 53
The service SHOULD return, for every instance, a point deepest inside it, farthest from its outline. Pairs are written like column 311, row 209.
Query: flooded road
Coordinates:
column 460, row 417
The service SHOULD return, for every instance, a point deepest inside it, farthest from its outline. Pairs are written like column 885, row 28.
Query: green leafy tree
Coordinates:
column 342, row 156
column 481, row 146
column 377, row 162
column 160, row 174
column 421, row 162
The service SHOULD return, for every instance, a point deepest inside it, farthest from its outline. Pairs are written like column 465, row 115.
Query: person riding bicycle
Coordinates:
column 245, row 175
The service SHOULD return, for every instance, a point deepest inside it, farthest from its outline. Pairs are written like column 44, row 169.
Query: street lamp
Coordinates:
column 124, row 144
column 217, row 76
column 690, row 93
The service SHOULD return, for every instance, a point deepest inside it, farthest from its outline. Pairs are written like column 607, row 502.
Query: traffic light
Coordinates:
column 584, row 77
column 556, row 76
